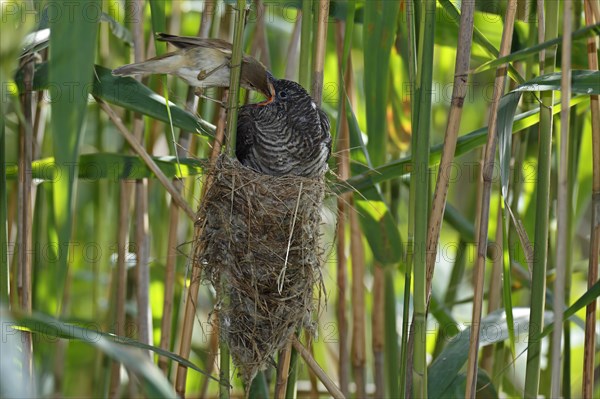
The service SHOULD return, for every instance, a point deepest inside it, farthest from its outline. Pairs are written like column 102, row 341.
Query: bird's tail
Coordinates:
column 157, row 65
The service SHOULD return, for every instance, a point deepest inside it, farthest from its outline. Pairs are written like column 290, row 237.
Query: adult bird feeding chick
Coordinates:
column 287, row 134
column 202, row 63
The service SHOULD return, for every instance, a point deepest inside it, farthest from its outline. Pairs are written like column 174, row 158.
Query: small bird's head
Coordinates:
column 255, row 76
column 269, row 91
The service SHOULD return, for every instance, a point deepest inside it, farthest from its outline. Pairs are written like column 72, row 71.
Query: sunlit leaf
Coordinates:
column 72, row 42
column 129, row 94
column 36, row 41
column 55, row 328
column 466, row 143
column 506, row 116
column 582, row 82
column 111, row 166
column 453, row 14
column 122, row 349
column 377, row 222
column 588, row 31
column 379, row 32
column 592, row 294
column 446, row 368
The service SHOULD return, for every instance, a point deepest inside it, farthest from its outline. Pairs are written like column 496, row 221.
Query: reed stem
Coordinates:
column 484, row 215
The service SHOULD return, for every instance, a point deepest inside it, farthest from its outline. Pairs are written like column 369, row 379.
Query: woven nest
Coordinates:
column 257, row 240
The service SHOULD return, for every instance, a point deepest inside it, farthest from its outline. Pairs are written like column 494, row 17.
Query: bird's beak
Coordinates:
column 270, row 99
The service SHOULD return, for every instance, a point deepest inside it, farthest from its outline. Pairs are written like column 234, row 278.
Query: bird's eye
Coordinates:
column 283, row 94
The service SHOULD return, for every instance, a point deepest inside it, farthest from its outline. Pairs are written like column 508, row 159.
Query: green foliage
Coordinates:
column 70, row 44
column 377, row 222
column 378, row 30
column 111, row 166
column 583, row 82
column 4, row 265
column 153, row 382
column 445, row 370
column 588, row 31
column 130, row 94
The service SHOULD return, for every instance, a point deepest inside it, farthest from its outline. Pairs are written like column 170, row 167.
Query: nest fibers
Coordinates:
column 257, row 240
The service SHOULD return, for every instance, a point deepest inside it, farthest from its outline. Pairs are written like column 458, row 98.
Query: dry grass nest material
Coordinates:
column 257, row 240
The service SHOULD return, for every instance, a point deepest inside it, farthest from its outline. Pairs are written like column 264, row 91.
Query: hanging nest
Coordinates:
column 257, row 241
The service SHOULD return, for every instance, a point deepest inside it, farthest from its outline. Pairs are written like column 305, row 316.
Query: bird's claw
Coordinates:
column 199, row 92
column 203, row 74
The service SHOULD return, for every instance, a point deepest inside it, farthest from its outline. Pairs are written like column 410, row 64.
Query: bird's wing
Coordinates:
column 165, row 63
column 185, row 42
column 191, row 41
column 325, row 127
column 217, row 52
column 245, row 134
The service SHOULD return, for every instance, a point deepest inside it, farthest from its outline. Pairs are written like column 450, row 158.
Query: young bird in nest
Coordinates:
column 287, row 134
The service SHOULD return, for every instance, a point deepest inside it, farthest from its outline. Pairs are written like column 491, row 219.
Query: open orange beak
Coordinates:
column 270, row 99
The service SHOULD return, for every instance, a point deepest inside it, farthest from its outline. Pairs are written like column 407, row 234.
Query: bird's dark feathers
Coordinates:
column 286, row 136
column 245, row 129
